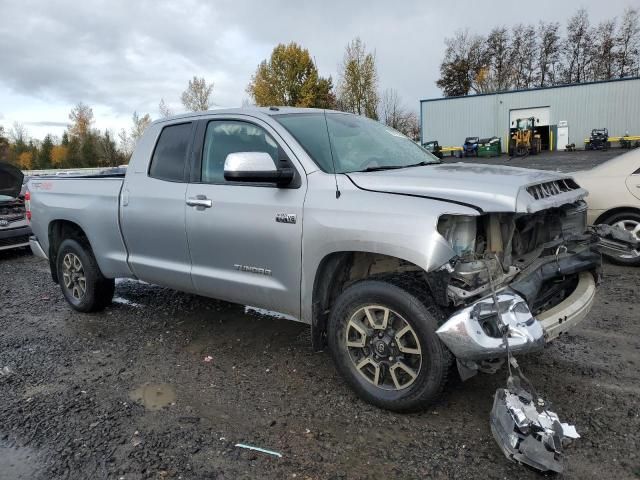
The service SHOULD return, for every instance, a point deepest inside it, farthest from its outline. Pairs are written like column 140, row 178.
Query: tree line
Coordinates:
column 527, row 56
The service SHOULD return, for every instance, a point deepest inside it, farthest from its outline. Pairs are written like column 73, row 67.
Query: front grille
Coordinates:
column 549, row 189
column 7, row 242
column 12, row 218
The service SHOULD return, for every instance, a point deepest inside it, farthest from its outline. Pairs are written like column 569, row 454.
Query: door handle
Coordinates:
column 199, row 201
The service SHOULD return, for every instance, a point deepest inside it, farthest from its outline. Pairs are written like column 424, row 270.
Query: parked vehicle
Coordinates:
column 393, row 258
column 433, row 147
column 599, row 139
column 14, row 228
column 470, row 146
column 614, row 198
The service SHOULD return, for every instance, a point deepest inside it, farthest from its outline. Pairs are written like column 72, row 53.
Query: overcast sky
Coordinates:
column 120, row 56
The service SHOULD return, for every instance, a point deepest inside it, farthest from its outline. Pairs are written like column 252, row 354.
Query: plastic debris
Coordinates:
column 258, row 449
column 526, row 431
column 207, row 359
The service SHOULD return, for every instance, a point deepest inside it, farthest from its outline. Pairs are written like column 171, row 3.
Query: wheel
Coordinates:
column 82, row 282
column 382, row 339
column 629, row 221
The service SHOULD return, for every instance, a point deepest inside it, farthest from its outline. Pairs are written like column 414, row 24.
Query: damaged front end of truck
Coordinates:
column 541, row 263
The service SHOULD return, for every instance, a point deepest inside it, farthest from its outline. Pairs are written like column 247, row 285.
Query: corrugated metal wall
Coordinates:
column 615, row 105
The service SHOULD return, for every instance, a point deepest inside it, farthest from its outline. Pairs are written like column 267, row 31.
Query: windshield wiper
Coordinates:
column 421, row 164
column 382, row 167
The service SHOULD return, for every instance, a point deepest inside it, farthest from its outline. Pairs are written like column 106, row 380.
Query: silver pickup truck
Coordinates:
column 402, row 265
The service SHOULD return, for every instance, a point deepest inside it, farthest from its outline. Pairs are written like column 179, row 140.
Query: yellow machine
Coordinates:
column 524, row 138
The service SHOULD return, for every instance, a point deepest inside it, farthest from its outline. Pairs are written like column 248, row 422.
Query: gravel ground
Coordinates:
column 163, row 384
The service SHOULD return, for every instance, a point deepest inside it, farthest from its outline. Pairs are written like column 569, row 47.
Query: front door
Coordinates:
column 241, row 249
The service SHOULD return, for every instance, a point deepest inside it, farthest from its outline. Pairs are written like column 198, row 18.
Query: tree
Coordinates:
column 498, row 53
column 197, row 96
column 358, row 85
column 548, row 52
column 108, row 151
column 44, row 154
column 628, row 44
column 578, row 48
column 81, row 117
column 129, row 139
column 524, row 45
column 164, row 109
column 4, row 145
column 603, row 51
column 465, row 66
column 393, row 114
column 59, row 155
column 290, row 77
column 25, row 160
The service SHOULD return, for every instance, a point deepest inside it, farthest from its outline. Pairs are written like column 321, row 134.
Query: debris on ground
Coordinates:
column 207, row 359
column 526, row 431
column 6, row 372
column 258, row 449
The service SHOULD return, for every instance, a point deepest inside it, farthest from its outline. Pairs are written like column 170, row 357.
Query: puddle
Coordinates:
column 154, row 396
column 17, row 463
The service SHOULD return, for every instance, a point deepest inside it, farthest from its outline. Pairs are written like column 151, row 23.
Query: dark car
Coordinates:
column 14, row 227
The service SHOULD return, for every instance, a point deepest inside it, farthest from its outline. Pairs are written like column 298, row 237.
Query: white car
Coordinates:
column 614, row 196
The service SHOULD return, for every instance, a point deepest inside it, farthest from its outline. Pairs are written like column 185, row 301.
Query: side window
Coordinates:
column 170, row 154
column 232, row 136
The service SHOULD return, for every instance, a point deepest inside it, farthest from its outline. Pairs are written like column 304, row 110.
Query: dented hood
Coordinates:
column 490, row 188
column 10, row 180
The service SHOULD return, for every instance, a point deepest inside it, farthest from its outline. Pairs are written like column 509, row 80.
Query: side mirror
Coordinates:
column 255, row 167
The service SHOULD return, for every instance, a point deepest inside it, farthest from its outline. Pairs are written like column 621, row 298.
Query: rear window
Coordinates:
column 170, row 154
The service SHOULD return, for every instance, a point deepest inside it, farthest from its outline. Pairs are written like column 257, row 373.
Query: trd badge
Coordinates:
column 286, row 217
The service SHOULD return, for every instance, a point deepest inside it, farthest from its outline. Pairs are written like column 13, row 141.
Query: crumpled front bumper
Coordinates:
column 470, row 334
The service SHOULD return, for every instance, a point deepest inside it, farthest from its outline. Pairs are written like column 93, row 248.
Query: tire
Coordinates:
column 75, row 261
column 397, row 389
column 630, row 218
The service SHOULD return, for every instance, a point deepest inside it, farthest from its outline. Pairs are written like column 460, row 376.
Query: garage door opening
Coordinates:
column 541, row 116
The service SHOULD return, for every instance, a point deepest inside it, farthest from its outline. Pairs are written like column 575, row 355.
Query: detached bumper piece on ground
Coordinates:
column 526, row 431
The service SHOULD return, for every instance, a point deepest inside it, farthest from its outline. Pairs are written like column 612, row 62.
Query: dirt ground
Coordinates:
column 163, row 384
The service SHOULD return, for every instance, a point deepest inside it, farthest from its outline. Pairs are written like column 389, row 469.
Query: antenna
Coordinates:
column 333, row 162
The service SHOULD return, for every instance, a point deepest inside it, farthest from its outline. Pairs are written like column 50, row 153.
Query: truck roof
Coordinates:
column 271, row 111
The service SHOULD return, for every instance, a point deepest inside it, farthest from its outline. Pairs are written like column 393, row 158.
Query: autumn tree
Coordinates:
column 464, row 67
column 164, row 109
column 197, row 96
column 59, row 155
column 128, row 139
column 358, row 81
column 4, row 145
column 81, row 117
column 290, row 77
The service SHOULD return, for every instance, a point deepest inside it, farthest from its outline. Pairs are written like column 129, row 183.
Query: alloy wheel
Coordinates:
column 73, row 276
column 383, row 347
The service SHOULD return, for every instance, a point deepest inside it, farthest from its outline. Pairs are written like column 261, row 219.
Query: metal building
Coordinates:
column 614, row 104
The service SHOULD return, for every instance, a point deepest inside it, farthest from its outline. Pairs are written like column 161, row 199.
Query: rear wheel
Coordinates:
column 629, row 221
column 383, row 341
column 81, row 281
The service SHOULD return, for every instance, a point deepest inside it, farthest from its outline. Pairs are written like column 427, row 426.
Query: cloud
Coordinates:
column 46, row 124
column 119, row 56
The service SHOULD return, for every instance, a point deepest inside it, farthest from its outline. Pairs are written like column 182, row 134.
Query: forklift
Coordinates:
column 525, row 139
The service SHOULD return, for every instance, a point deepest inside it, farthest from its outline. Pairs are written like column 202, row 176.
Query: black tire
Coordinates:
column 633, row 216
column 416, row 309
column 98, row 291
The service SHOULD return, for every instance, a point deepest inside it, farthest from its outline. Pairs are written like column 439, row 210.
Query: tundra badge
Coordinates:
column 286, row 217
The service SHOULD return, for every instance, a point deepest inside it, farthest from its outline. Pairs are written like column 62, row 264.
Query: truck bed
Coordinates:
column 92, row 203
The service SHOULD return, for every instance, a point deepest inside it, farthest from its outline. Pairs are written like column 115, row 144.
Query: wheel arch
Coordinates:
column 58, row 231
column 615, row 211
column 337, row 270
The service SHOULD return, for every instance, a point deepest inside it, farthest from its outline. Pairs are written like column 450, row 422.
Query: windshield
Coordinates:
column 353, row 143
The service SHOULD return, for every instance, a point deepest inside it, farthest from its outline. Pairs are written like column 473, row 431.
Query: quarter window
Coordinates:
column 170, row 154
column 231, row 136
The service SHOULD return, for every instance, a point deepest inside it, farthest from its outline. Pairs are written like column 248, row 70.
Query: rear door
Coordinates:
column 239, row 252
column 153, row 212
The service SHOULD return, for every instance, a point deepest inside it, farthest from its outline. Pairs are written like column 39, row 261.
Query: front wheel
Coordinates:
column 383, row 342
column 82, row 282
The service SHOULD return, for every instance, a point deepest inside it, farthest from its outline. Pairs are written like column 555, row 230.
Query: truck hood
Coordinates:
column 10, row 180
column 489, row 188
